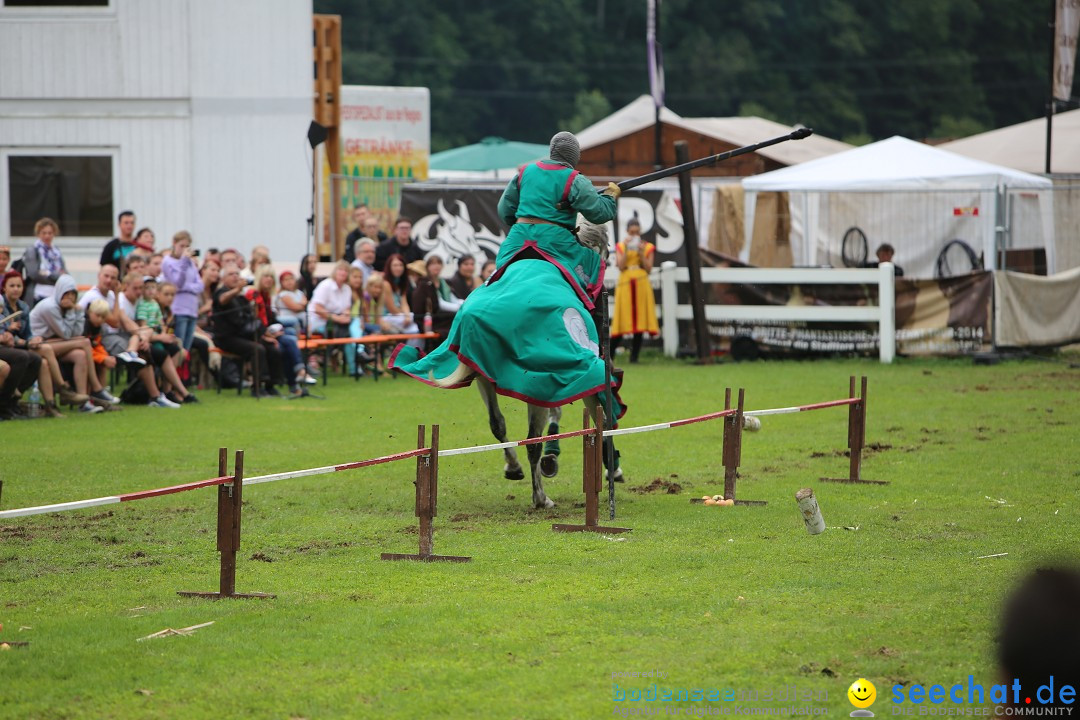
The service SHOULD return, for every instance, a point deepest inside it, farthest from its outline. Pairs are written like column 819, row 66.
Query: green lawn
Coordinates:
column 981, row 460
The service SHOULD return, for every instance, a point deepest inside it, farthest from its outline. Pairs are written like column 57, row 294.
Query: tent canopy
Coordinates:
column 490, row 154
column 893, row 164
column 1023, row 146
column 913, row 196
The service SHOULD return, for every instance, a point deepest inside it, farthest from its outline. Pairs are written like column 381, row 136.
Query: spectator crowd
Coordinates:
column 159, row 322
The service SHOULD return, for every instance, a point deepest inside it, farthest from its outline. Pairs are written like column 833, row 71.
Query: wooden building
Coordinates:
column 624, row 143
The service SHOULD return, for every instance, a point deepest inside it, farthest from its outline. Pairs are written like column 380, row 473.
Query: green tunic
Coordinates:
column 537, row 192
column 528, row 329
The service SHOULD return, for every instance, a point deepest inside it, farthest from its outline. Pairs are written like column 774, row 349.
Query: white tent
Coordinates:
column 912, row 196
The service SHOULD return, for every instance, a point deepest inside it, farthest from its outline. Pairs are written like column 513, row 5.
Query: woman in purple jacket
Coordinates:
column 178, row 267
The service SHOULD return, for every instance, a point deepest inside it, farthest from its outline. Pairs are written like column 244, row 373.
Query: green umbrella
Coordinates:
column 491, row 153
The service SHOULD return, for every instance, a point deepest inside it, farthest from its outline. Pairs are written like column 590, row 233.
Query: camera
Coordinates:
column 195, row 252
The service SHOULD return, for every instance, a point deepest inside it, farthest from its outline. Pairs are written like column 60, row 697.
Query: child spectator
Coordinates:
column 134, row 264
column 5, row 258
column 94, row 329
column 179, row 269
column 290, row 304
column 153, row 267
column 147, row 311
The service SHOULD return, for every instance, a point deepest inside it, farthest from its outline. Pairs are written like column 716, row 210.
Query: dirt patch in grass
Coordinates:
column 15, row 532
column 262, row 557
column 658, row 485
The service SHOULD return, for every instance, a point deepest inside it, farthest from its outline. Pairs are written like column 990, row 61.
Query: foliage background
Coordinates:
column 857, row 70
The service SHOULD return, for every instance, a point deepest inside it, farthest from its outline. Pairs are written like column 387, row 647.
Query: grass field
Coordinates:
column 981, row 460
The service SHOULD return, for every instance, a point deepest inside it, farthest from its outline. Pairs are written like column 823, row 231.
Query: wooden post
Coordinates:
column 592, row 477
column 856, row 437
column 327, row 112
column 693, row 256
column 427, row 499
column 230, row 499
column 732, row 452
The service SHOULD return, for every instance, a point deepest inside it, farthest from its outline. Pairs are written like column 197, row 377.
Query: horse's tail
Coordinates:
column 462, row 373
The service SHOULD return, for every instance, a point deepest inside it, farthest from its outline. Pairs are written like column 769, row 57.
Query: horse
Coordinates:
column 543, row 459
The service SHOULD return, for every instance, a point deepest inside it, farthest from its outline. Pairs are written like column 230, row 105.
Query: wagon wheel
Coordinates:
column 854, row 249
column 956, row 258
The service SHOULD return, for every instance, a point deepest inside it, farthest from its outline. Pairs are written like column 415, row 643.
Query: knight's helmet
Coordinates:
column 565, row 148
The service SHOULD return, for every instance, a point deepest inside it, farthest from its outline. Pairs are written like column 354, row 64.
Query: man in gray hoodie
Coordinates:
column 59, row 321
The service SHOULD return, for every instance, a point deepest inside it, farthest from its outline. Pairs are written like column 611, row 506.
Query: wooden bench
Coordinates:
column 314, row 343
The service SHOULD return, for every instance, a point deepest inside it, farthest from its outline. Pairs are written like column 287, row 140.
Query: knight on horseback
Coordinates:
column 528, row 332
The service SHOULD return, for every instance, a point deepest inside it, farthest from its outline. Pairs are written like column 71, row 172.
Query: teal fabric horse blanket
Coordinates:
column 527, row 331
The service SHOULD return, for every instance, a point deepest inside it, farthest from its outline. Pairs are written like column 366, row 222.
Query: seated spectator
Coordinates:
column 105, row 290
column 19, row 367
column 371, row 307
column 487, row 271
column 394, row 318
column 212, row 255
column 328, row 311
column 130, row 292
column 308, row 282
column 49, row 376
column 365, row 257
column 398, row 285
column 58, row 321
column 433, row 297
column 210, row 274
column 166, row 299
column 367, row 225
column 42, row 261
column 464, row 280
column 237, row 330
column 260, row 255
column 400, row 243
column 153, row 266
column 134, row 264
column 94, row 329
column 293, row 361
column 164, row 348
column 356, row 326
column 290, row 305
column 144, row 242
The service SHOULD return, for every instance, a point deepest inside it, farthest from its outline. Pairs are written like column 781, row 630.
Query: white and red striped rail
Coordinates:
column 141, row 495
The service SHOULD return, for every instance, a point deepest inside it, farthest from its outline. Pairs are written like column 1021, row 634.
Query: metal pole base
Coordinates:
column 426, row 558
column 559, row 527
column 855, row 481
column 748, row 503
column 220, row 596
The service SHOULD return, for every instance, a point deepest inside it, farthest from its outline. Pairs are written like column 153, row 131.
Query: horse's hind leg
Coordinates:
column 537, row 417
column 549, row 462
column 512, row 470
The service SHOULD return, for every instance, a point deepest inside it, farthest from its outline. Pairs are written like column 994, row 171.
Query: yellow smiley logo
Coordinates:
column 862, row 693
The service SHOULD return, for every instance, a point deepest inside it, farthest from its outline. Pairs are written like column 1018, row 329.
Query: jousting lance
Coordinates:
column 712, row 159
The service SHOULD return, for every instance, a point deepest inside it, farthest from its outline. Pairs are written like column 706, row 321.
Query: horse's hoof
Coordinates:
column 751, row 423
column 549, row 466
column 547, row 504
column 514, row 473
column 618, row 477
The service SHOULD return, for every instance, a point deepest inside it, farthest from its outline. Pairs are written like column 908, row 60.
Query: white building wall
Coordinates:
column 205, row 104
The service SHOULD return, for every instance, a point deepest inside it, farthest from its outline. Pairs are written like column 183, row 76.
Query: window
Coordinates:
column 74, row 190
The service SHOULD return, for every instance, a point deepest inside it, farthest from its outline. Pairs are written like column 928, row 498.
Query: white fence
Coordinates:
column 883, row 314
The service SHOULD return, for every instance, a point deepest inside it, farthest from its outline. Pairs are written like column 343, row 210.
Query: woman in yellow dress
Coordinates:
column 635, row 306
